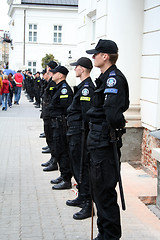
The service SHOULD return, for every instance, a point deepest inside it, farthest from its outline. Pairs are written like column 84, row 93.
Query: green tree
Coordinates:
column 47, row 59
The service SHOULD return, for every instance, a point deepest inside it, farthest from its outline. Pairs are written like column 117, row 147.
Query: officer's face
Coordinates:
column 56, row 77
column 78, row 70
column 98, row 59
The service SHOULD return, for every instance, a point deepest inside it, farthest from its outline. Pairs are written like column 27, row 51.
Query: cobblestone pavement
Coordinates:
column 31, row 210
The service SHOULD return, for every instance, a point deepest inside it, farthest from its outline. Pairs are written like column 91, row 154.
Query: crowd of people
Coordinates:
column 10, row 86
column 80, row 127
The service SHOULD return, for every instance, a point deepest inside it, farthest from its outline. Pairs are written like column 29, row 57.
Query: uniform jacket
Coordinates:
column 81, row 103
column 47, row 96
column 111, row 99
column 62, row 98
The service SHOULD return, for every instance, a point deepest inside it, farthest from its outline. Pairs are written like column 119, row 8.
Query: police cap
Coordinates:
column 104, row 46
column 60, row 69
column 52, row 64
column 84, row 62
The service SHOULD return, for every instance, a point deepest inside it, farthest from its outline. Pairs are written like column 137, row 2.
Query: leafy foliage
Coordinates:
column 47, row 59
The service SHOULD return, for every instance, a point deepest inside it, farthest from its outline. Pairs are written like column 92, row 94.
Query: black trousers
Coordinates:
column 103, row 183
column 49, row 134
column 61, row 149
column 75, row 143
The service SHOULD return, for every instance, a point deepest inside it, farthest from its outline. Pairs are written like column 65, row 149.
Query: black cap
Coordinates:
column 52, row 64
column 104, row 46
column 60, row 69
column 44, row 71
column 84, row 62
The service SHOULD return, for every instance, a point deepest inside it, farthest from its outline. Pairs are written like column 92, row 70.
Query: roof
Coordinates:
column 73, row 3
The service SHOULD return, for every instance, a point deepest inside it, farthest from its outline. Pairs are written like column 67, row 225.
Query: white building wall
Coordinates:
column 121, row 21
column 150, row 73
column 45, row 18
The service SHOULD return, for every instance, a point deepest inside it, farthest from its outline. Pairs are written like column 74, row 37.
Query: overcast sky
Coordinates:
column 4, row 19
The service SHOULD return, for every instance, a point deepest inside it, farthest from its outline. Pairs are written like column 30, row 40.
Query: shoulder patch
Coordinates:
column 111, row 82
column 112, row 74
column 64, row 85
column 85, row 91
column 86, row 84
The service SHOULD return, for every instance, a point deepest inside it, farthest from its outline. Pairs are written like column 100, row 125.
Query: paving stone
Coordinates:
column 31, row 210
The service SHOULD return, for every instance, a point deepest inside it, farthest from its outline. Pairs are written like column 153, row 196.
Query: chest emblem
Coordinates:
column 64, row 90
column 111, row 82
column 85, row 92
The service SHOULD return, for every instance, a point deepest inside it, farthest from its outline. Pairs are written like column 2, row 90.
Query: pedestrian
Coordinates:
column 18, row 78
column 111, row 99
column 62, row 98
column 78, row 123
column 1, row 84
column 5, row 92
column 10, row 78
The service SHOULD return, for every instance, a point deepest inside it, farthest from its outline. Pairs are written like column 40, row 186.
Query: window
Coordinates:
column 32, row 66
column 57, row 34
column 32, row 33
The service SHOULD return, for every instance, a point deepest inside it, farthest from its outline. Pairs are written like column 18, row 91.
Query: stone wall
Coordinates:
column 148, row 143
column 132, row 140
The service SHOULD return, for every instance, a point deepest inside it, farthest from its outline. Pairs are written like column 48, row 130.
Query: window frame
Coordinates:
column 57, row 33
column 32, row 32
column 32, row 68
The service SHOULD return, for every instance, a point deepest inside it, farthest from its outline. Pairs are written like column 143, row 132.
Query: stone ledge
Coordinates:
column 156, row 154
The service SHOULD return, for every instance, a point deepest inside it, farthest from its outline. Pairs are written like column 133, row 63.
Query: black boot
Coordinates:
column 57, row 180
column 46, row 164
column 52, row 167
column 99, row 237
column 62, row 185
column 85, row 212
column 45, row 148
column 77, row 202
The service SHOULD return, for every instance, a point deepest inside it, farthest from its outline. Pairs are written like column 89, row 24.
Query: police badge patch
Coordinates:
column 64, row 90
column 85, row 92
column 111, row 82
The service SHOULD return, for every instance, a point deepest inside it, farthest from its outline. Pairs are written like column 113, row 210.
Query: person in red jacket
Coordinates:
column 5, row 92
column 18, row 78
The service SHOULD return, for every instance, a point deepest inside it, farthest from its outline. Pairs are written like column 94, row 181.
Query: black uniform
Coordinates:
column 62, row 98
column 111, row 99
column 47, row 96
column 37, row 87
column 76, row 115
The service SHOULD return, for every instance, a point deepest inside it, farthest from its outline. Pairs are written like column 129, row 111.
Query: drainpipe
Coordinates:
column 24, row 37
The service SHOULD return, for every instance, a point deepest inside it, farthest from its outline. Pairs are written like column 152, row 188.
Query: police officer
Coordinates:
column 37, row 89
column 111, row 99
column 31, row 91
column 77, row 134
column 50, row 65
column 50, row 165
column 62, row 98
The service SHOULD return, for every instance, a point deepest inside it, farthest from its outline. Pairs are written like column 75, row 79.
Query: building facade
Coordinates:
column 39, row 27
column 4, row 49
column 134, row 26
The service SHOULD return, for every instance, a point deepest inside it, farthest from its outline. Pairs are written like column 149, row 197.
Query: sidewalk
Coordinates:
column 31, row 210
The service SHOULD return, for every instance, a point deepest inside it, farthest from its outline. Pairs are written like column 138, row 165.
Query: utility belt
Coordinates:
column 104, row 128
column 59, row 121
column 95, row 127
column 75, row 124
